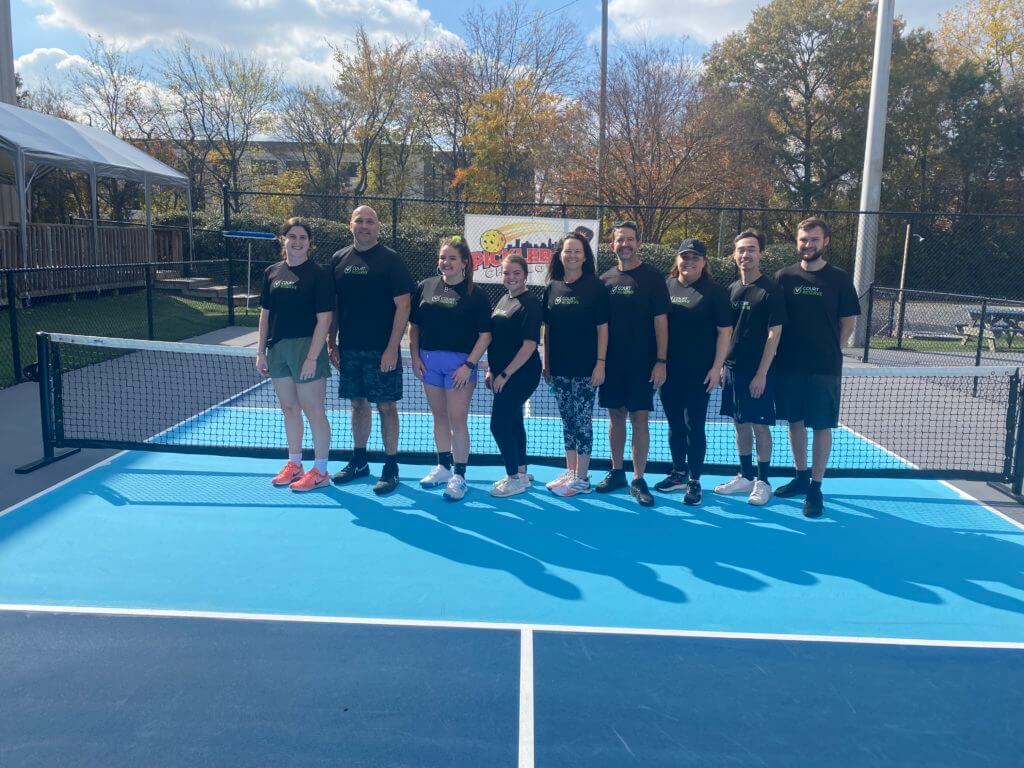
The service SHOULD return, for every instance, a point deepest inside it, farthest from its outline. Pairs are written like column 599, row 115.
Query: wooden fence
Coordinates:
column 71, row 245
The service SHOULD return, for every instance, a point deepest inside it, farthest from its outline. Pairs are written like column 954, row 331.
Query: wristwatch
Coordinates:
column 470, row 365
column 660, row 360
column 503, row 375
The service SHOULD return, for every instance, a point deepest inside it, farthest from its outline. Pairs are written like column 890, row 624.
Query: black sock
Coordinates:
column 815, row 485
column 390, row 466
column 762, row 471
column 747, row 466
column 803, row 476
column 359, row 457
column 460, row 469
column 445, row 459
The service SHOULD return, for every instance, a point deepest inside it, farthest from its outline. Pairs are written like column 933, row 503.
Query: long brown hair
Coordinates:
column 556, row 269
column 458, row 242
column 284, row 229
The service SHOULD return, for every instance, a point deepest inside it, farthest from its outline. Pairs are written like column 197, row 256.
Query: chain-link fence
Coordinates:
column 943, row 329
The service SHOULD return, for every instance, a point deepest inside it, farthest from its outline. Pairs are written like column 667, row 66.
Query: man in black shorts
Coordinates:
column 373, row 289
column 747, row 378
column 821, row 304
column 638, row 306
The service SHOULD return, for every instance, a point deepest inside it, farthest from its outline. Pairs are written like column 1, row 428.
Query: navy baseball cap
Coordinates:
column 692, row 244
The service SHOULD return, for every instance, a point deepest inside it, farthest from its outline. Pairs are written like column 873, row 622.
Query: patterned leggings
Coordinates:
column 575, row 398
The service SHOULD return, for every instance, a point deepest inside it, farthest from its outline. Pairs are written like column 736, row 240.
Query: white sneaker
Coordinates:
column 574, row 487
column 510, row 486
column 761, row 494
column 562, row 479
column 439, row 475
column 738, row 484
column 456, row 488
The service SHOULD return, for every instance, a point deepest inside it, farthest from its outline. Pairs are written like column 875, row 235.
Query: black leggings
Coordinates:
column 686, row 407
column 507, row 415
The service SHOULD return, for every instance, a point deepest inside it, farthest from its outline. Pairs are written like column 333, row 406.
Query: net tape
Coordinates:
column 126, row 393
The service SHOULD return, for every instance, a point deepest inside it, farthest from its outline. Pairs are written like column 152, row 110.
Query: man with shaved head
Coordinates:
column 373, row 289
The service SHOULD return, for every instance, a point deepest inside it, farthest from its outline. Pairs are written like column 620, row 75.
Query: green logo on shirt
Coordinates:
column 448, row 301
column 684, row 301
column 284, row 284
column 357, row 269
column 807, row 290
column 566, row 300
column 622, row 290
column 741, row 305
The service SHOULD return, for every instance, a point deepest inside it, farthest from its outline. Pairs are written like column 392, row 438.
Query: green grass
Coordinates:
column 947, row 347
column 174, row 318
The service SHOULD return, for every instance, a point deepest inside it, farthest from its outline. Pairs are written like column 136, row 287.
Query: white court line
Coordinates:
column 969, row 497
column 501, row 626
column 526, row 740
column 102, row 463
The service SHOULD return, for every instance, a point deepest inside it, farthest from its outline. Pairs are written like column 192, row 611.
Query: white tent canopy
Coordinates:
column 35, row 140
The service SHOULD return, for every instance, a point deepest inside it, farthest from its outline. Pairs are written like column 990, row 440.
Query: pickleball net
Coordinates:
column 956, row 423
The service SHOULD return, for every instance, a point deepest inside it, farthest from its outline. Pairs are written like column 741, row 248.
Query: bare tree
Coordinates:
column 320, row 122
column 215, row 105
column 444, row 96
column 373, row 79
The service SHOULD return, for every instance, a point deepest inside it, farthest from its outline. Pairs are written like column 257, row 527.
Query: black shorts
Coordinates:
column 360, row 377
column 738, row 403
column 627, row 386
column 812, row 398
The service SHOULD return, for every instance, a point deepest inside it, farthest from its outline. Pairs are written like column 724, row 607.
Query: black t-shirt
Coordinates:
column 572, row 312
column 294, row 296
column 815, row 301
column 698, row 311
column 755, row 308
column 513, row 321
column 635, row 298
column 449, row 317
column 366, row 284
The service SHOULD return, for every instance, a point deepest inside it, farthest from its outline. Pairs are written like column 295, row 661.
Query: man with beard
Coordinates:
column 638, row 306
column 821, row 305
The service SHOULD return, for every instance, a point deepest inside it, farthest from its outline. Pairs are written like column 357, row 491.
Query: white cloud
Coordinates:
column 706, row 21
column 46, row 65
column 291, row 33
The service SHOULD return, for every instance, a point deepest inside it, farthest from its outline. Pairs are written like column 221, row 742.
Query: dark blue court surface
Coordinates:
column 610, row 701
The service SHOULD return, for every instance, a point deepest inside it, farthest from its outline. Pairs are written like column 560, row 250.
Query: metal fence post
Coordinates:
column 227, row 256
column 394, row 223
column 1017, row 478
column 867, row 322
column 12, row 308
column 150, row 326
column 981, row 332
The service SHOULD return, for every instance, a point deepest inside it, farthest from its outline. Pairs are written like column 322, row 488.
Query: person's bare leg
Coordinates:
column 361, row 419
column 311, row 396
column 288, row 398
column 821, row 449
column 798, row 442
column 438, row 402
column 641, row 442
column 617, row 435
column 389, row 426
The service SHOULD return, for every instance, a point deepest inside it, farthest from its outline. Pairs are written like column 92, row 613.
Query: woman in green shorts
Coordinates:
column 297, row 304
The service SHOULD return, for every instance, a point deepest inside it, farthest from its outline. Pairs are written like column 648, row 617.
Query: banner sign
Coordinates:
column 491, row 238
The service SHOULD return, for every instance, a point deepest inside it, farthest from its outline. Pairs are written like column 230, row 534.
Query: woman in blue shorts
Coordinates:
column 449, row 331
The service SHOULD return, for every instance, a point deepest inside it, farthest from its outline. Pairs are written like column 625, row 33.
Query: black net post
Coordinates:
column 150, row 326
column 1017, row 475
column 1012, row 423
column 981, row 331
column 46, row 393
column 227, row 255
column 12, row 311
column 867, row 322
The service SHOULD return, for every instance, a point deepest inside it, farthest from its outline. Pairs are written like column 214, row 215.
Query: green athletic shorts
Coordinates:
column 285, row 358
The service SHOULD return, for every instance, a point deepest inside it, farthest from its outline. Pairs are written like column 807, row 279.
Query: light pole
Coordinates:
column 602, row 129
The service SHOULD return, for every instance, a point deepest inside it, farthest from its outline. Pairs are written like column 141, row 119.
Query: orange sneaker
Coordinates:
column 291, row 472
column 311, row 480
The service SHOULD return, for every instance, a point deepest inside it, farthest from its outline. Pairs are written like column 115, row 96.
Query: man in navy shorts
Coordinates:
column 373, row 289
column 748, row 379
column 821, row 304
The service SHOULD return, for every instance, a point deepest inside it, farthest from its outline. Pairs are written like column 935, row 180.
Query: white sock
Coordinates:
column 296, row 457
column 321, row 465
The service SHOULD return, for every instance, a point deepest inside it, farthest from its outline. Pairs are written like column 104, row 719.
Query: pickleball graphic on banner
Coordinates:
column 491, row 238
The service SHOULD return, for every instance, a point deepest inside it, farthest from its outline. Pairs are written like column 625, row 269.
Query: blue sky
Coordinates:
column 49, row 35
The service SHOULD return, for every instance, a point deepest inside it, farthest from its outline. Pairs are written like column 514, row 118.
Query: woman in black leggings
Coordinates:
column 699, row 332
column 513, row 371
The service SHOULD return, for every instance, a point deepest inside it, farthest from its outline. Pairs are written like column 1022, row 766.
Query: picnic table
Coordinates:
column 1000, row 323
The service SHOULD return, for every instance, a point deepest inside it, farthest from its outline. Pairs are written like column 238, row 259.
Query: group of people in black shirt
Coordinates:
column 773, row 345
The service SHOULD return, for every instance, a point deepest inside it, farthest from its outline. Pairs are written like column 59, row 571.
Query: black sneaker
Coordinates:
column 612, row 481
column 350, row 472
column 675, row 481
column 385, row 485
column 638, row 490
column 798, row 486
column 693, row 493
column 814, row 503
